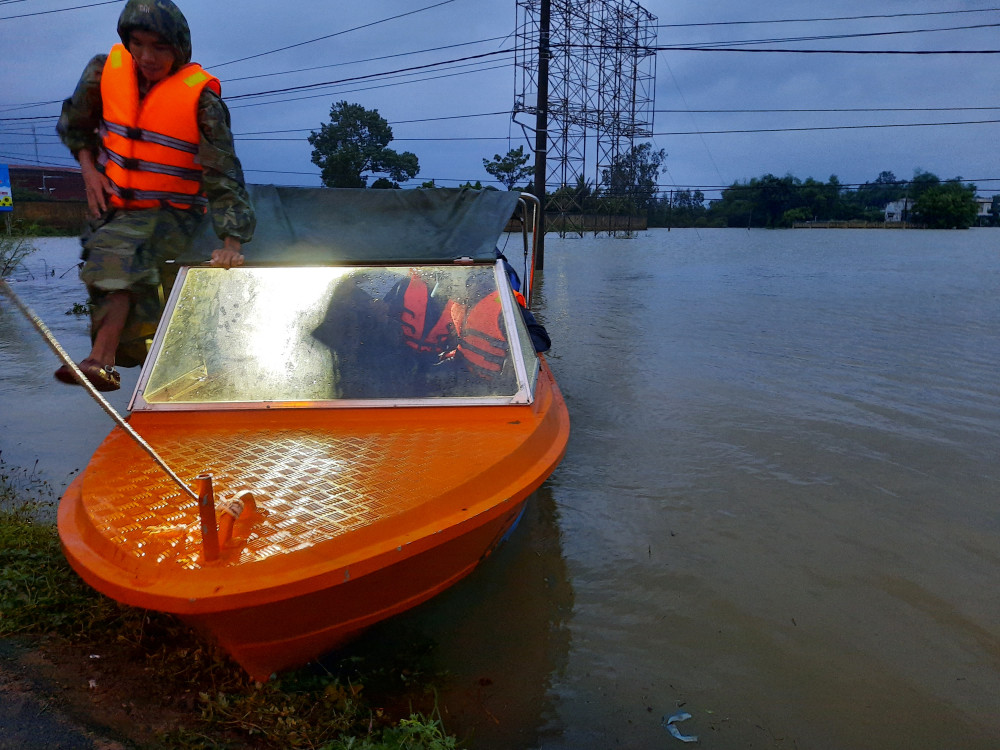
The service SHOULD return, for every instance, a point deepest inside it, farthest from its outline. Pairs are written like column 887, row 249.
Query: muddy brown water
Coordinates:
column 777, row 512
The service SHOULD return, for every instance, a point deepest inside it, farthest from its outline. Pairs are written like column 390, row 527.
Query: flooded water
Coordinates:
column 777, row 512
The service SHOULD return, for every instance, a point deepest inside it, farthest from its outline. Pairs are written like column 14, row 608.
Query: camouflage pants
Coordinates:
column 128, row 251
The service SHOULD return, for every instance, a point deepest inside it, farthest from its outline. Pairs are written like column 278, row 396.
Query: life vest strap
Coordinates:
column 130, row 194
column 491, row 360
column 151, row 166
column 493, row 341
column 150, row 136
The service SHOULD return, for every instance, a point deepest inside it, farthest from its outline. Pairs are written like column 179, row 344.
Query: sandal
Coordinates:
column 103, row 377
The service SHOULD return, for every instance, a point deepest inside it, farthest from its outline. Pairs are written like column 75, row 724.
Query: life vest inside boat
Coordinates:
column 430, row 314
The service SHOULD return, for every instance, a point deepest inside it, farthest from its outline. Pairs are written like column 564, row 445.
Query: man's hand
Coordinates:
column 229, row 255
column 98, row 186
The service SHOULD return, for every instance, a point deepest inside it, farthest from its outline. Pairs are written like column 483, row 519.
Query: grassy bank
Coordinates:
column 146, row 677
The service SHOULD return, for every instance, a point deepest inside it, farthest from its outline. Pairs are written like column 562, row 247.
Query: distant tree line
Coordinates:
column 773, row 202
column 356, row 141
column 629, row 186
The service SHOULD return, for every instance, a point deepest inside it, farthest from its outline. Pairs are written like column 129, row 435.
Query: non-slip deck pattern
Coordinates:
column 313, row 485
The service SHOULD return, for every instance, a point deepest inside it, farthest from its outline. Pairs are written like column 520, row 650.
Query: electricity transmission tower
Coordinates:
column 586, row 70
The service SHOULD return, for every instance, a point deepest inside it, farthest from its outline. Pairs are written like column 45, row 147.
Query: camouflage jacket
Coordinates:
column 229, row 205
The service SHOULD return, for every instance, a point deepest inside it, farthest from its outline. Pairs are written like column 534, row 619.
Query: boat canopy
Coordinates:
column 316, row 226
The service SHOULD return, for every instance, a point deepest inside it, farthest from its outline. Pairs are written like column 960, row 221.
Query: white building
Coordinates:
column 985, row 210
column 899, row 210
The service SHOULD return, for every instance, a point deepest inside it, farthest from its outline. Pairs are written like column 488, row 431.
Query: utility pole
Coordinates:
column 542, row 125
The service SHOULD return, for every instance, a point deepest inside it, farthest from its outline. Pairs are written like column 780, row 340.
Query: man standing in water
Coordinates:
column 153, row 139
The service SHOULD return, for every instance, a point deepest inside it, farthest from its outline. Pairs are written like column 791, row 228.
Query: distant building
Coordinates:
column 984, row 213
column 48, row 197
column 899, row 210
column 48, row 183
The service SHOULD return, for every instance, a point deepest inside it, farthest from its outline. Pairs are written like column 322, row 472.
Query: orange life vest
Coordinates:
column 151, row 145
column 483, row 343
column 420, row 330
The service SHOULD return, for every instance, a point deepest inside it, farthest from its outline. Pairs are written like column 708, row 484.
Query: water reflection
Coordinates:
column 500, row 637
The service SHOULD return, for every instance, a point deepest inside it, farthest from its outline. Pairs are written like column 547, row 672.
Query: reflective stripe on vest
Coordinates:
column 483, row 343
column 151, row 145
column 419, row 332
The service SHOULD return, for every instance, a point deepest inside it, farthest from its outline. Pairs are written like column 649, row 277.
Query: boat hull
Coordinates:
column 277, row 610
column 289, row 633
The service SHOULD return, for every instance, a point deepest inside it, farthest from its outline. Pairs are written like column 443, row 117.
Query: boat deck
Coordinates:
column 312, row 483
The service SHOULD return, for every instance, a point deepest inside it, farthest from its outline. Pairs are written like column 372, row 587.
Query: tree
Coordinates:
column 478, row 186
column 509, row 169
column 355, row 141
column 574, row 199
column 761, row 202
column 921, row 182
column 630, row 181
column 681, row 208
column 947, row 205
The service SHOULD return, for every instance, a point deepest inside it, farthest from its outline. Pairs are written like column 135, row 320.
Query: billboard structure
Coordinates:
column 600, row 88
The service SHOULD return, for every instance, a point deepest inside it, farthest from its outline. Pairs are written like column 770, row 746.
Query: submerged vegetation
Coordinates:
column 153, row 658
column 15, row 247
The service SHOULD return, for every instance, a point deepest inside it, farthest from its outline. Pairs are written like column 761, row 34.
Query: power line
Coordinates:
column 58, row 10
column 449, row 139
column 244, row 136
column 67, row 159
column 815, row 184
column 358, row 62
column 369, row 88
column 700, row 48
column 35, row 117
column 856, row 35
column 834, row 18
column 735, row 42
column 762, row 110
column 394, row 122
column 829, row 51
column 701, row 132
column 369, row 76
column 823, row 110
column 289, row 89
column 330, row 36
column 829, row 127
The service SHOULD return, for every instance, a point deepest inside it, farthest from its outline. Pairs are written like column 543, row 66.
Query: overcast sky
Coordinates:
column 455, row 115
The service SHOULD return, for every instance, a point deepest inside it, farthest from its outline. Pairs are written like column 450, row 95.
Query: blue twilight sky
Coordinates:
column 456, row 114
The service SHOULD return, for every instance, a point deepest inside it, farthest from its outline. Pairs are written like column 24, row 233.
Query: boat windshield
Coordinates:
column 403, row 335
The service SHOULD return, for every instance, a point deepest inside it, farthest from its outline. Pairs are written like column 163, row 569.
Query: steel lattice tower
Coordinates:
column 601, row 76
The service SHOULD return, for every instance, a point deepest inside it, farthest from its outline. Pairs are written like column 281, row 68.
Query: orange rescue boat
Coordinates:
column 346, row 471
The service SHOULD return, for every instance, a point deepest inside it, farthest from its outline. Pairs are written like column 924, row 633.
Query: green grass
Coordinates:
column 42, row 600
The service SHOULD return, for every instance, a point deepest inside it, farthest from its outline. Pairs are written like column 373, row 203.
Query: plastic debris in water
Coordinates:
column 670, row 723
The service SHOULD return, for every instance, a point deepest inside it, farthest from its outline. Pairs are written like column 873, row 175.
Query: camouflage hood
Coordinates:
column 161, row 17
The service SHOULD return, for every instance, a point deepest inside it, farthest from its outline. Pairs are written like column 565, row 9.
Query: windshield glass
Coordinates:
column 339, row 333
